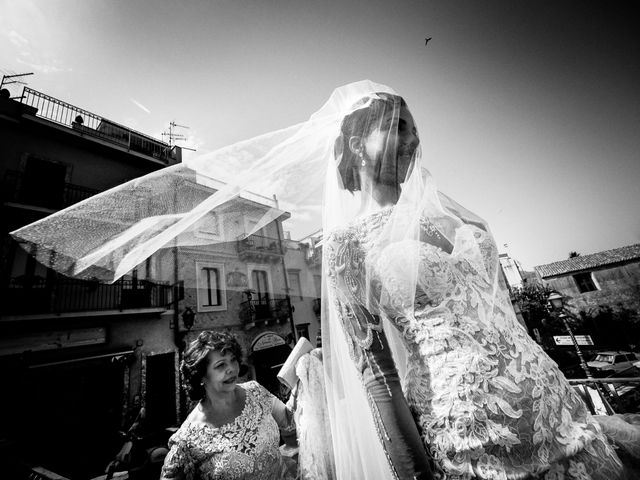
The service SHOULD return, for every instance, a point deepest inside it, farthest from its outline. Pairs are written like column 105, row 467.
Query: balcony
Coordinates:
column 260, row 249
column 30, row 296
column 90, row 124
column 255, row 313
column 17, row 188
column 314, row 257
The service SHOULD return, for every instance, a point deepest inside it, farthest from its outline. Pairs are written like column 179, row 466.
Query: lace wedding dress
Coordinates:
column 488, row 401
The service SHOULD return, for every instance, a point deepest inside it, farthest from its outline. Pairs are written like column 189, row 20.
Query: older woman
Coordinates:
column 233, row 431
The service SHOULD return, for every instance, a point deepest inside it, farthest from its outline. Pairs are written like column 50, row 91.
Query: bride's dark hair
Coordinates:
column 360, row 123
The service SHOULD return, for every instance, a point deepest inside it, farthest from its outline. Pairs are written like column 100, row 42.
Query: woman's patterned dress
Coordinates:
column 247, row 448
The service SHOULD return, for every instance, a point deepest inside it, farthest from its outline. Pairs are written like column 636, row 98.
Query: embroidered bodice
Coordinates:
column 246, row 448
column 489, row 402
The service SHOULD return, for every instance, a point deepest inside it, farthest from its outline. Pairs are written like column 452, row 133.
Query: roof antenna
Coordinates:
column 172, row 136
column 9, row 80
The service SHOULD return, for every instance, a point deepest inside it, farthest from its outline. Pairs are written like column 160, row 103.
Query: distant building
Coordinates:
column 243, row 286
column 609, row 278
column 304, row 267
column 511, row 270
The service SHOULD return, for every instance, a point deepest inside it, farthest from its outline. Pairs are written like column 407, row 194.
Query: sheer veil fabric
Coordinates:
column 403, row 265
column 104, row 237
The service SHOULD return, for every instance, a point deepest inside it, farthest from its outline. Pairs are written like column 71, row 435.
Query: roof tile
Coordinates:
column 589, row 262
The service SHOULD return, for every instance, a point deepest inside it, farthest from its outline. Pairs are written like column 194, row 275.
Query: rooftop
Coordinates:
column 589, row 262
column 85, row 123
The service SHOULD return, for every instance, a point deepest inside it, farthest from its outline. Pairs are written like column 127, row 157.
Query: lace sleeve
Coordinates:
column 178, row 464
column 282, row 413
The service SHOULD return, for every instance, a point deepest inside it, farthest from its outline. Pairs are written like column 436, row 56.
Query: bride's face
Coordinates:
column 390, row 147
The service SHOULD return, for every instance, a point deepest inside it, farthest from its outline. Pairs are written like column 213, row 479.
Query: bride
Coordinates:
column 427, row 373
column 415, row 310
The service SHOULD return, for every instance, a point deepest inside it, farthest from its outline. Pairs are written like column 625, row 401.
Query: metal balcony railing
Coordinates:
column 88, row 123
column 252, row 311
column 36, row 295
column 619, row 395
column 314, row 257
column 15, row 188
column 260, row 244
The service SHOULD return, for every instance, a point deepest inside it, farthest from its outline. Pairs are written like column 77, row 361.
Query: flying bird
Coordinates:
column 426, row 40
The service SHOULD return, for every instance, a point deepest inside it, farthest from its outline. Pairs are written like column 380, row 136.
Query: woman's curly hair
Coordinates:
column 360, row 122
column 196, row 359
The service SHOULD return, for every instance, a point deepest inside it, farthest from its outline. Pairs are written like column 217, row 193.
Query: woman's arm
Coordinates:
column 283, row 415
column 175, row 462
column 358, row 301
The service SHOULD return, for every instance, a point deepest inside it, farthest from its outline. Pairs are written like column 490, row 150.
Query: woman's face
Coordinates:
column 222, row 372
column 390, row 147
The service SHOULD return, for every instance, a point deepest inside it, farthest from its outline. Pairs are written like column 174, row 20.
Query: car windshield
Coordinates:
column 604, row 358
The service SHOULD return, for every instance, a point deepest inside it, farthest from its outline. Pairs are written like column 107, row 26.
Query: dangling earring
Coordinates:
column 363, row 163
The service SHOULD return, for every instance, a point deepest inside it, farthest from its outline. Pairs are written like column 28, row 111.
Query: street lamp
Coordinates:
column 188, row 318
column 556, row 301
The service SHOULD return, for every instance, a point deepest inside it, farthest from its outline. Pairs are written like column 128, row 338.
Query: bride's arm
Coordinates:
column 357, row 297
column 394, row 421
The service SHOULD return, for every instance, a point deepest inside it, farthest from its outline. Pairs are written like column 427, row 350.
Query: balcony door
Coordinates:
column 260, row 283
column 261, row 296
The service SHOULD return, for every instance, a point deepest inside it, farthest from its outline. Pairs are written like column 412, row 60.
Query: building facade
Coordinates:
column 611, row 278
column 91, row 353
column 96, row 353
column 603, row 289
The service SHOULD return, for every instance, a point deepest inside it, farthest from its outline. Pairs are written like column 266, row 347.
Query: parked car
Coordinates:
column 609, row 362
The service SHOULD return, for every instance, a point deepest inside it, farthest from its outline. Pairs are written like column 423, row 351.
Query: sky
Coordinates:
column 528, row 111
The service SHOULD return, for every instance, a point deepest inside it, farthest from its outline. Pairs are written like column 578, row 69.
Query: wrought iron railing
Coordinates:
column 260, row 310
column 88, row 123
column 15, row 189
column 259, row 243
column 36, row 295
column 314, row 257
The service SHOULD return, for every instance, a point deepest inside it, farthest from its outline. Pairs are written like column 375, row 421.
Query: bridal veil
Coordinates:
column 297, row 168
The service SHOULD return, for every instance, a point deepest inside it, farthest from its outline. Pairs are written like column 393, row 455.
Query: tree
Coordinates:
column 532, row 300
column 573, row 254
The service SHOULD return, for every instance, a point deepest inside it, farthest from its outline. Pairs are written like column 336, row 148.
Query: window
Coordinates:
column 211, row 292
column 303, row 330
column 209, row 227
column 585, row 282
column 260, row 284
column 294, row 283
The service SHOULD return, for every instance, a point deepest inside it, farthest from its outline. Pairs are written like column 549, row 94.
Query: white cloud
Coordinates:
column 42, row 68
column 17, row 39
column 140, row 106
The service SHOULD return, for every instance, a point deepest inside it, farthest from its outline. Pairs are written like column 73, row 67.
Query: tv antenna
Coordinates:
column 14, row 79
column 172, row 136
